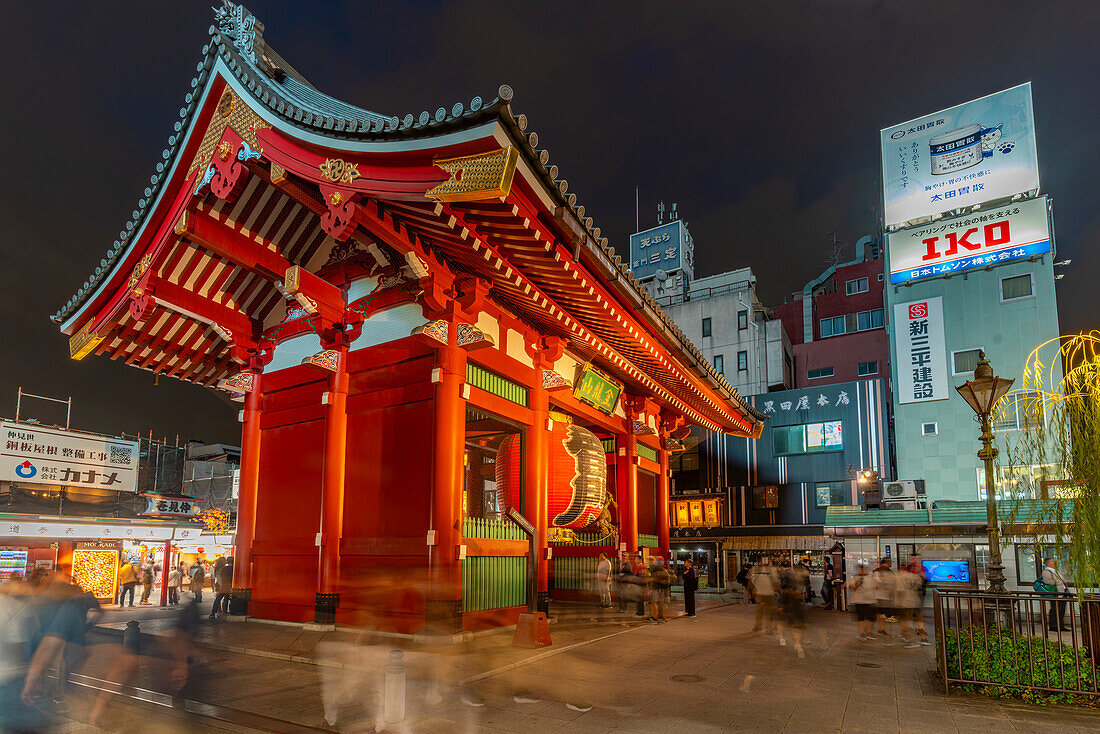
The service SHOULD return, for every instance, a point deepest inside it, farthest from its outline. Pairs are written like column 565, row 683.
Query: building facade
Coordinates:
column 836, row 324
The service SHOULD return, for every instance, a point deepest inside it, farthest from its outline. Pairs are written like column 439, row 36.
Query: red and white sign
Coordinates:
column 41, row 455
column 977, row 240
column 920, row 351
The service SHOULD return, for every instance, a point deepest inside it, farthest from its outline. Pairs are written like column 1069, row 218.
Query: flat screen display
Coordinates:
column 947, row 572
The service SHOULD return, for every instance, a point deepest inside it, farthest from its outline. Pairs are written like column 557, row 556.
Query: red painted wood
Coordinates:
column 248, row 495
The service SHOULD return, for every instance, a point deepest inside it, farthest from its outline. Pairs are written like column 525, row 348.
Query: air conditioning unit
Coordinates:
column 909, row 504
column 897, row 491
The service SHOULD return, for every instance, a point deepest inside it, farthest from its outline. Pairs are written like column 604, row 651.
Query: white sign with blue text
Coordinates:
column 980, row 239
column 921, row 352
column 662, row 248
column 969, row 154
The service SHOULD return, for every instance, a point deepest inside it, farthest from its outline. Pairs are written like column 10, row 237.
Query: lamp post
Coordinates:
column 982, row 394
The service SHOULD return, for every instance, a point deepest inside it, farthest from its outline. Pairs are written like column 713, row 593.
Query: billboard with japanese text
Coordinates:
column 921, row 351
column 979, row 239
column 666, row 247
column 42, row 455
column 965, row 155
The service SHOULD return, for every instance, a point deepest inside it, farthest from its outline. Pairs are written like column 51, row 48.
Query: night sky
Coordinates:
column 760, row 120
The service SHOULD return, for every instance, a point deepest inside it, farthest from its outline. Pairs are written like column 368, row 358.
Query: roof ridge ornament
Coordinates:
column 236, row 22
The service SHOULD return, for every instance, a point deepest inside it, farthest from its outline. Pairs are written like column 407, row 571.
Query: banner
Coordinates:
column 969, row 154
column 983, row 238
column 921, row 354
column 43, row 455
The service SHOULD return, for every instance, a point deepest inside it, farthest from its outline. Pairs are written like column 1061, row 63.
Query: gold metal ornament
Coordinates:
column 338, row 170
column 476, row 177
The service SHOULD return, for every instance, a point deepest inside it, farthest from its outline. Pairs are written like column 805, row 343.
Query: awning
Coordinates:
column 779, row 542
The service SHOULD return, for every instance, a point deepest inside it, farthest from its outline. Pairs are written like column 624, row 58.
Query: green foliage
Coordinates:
column 1016, row 666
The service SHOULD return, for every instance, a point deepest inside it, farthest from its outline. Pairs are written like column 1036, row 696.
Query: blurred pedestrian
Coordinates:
column 906, row 600
column 128, row 580
column 792, row 586
column 146, row 583
column 763, row 583
column 198, row 576
column 17, row 630
column 641, row 582
column 864, row 597
column 603, row 581
column 827, row 584
column 886, row 585
column 743, row 579
column 691, row 583
column 624, row 582
column 916, row 567
column 223, row 585
column 175, row 581
column 1056, row 585
column 662, row 590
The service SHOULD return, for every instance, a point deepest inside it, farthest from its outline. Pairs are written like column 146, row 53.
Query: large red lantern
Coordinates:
column 577, row 482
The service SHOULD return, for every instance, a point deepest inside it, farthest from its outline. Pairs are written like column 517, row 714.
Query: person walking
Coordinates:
column 146, row 584
column 827, row 584
column 691, row 584
column 906, row 601
column 886, row 585
column 175, row 581
column 864, row 598
column 662, row 590
column 743, row 579
column 763, row 582
column 223, row 585
column 1056, row 585
column 128, row 579
column 603, row 581
column 624, row 582
column 917, row 569
column 198, row 576
column 793, row 586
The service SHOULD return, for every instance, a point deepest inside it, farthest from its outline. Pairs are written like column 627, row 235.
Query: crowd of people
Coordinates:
column 194, row 579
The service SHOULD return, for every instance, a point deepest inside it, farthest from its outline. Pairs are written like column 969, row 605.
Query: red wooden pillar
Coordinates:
column 662, row 506
column 444, row 604
column 626, row 482
column 247, row 497
column 536, row 499
column 332, row 493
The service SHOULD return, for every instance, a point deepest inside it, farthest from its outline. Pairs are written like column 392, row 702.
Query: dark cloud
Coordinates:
column 761, row 120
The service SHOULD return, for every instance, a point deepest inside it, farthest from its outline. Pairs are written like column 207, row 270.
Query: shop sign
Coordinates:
column 980, row 239
column 598, row 389
column 921, row 354
column 683, row 518
column 667, row 247
column 187, row 508
column 33, row 529
column 696, row 512
column 42, row 455
column 98, row 544
column 825, row 398
column 710, row 512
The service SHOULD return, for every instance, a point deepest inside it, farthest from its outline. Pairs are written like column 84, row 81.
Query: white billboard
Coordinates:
column 980, row 239
column 54, row 456
column 965, row 155
column 920, row 351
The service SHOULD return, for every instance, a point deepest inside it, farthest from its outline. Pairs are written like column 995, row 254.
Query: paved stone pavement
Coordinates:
column 736, row 681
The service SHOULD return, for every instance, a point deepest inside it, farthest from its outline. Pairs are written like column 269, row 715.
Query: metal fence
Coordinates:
column 491, row 529
column 1006, row 643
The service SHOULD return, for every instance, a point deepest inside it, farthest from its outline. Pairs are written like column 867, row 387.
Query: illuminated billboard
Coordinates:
column 965, row 155
column 666, row 247
column 980, row 239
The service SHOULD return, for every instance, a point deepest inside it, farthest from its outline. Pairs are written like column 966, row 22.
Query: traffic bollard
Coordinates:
column 394, row 703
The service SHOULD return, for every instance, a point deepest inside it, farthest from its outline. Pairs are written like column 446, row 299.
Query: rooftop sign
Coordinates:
column 40, row 455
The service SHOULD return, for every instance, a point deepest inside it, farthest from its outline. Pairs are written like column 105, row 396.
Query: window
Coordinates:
column 808, row 438
column 1018, row 411
column 863, row 369
column 819, row 373
column 1017, row 286
column 929, row 429
column 880, row 278
column 830, row 494
column 719, row 364
column 862, row 321
column 859, row 285
column 706, row 327
column 964, row 361
column 742, row 319
column 742, row 361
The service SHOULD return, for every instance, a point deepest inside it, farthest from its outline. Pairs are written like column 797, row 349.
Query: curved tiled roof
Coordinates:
column 275, row 84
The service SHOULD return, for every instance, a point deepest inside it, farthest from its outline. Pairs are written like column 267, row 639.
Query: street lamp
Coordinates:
column 982, row 394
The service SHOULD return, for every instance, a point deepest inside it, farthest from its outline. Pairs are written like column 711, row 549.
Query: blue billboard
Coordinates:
column 970, row 154
column 660, row 248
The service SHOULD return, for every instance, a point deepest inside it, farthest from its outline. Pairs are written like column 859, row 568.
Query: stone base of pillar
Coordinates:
column 238, row 601
column 324, row 609
column 542, row 602
column 443, row 616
